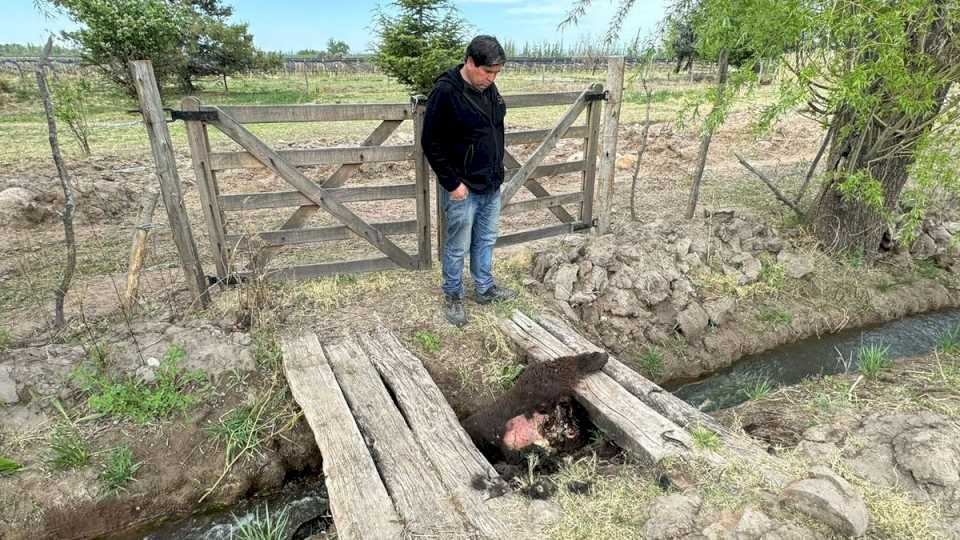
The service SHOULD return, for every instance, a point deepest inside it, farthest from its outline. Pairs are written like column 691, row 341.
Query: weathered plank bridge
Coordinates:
column 397, row 463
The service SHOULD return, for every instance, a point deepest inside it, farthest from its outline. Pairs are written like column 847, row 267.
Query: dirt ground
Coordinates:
column 472, row 365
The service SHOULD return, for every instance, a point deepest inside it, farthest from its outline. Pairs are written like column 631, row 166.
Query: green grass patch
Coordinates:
column 240, row 429
column 927, row 269
column 172, row 392
column 8, row 466
column 67, row 448
column 429, row 341
column 775, row 317
column 651, row 361
column 118, row 469
column 266, row 527
column 873, row 359
column 704, row 438
column 757, row 389
column 949, row 341
column 5, row 339
column 266, row 349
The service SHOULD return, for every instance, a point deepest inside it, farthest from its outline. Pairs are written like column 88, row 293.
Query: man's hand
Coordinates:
column 460, row 193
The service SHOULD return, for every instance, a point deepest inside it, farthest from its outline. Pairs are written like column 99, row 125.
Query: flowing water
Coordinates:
column 836, row 353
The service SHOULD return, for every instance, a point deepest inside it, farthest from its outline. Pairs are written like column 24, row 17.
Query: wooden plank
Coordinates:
column 538, row 135
column 519, row 101
column 551, row 201
column 592, row 143
column 170, row 189
column 608, row 155
column 262, row 114
column 553, row 169
column 284, row 199
column 669, row 406
column 314, row 192
column 318, row 156
column 534, row 234
column 207, row 186
column 422, row 174
column 539, row 191
column 358, row 499
column 436, row 429
column 510, row 188
column 335, row 180
column 321, row 234
column 420, row 498
column 629, row 422
column 311, row 271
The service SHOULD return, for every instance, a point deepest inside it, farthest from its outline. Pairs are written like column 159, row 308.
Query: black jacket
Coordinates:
column 462, row 141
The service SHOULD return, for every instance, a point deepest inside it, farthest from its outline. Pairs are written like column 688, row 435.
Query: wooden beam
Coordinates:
column 511, row 187
column 437, row 430
column 315, row 193
column 518, row 101
column 308, row 236
column 541, row 203
column 335, row 180
column 263, row 114
column 358, row 499
column 538, row 135
column 414, row 486
column 153, row 118
column 552, row 169
column 608, row 153
column 591, row 144
column 534, row 234
column 538, row 190
column 284, row 199
column 422, row 174
column 207, row 185
column 319, row 156
column 319, row 270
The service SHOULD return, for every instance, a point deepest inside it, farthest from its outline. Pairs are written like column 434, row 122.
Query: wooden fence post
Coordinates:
column 153, row 118
column 608, row 156
column 207, row 184
column 591, row 143
column 423, row 184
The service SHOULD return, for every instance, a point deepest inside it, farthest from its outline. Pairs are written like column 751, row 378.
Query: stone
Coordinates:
column 924, row 246
column 627, row 161
column 620, row 302
column 652, row 287
column 17, row 204
column 719, row 215
column 597, row 281
column 8, row 386
column 795, row 266
column 941, row 235
column 693, row 321
column 672, row 516
column 718, row 310
column 581, row 297
column 753, row 524
column 829, row 499
column 930, row 455
column 682, row 247
column 564, row 280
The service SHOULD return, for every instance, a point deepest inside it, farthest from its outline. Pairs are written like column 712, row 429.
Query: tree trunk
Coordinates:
column 705, row 141
column 885, row 148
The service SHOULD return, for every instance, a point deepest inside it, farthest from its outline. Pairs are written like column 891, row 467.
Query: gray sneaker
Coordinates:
column 496, row 294
column 454, row 310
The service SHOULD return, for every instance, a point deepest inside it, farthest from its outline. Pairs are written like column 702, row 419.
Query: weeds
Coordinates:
column 758, row 389
column 8, row 466
column 949, row 342
column 872, row 359
column 118, row 469
column 239, row 429
column 704, row 438
column 266, row 350
column 429, row 341
column 263, row 528
column 928, row 269
column 652, row 361
column 135, row 400
column 67, row 449
column 5, row 339
column 774, row 316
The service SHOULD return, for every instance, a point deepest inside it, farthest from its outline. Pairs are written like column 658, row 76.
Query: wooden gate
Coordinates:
column 329, row 194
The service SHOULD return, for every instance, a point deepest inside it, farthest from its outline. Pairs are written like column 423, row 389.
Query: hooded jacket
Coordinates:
column 462, row 141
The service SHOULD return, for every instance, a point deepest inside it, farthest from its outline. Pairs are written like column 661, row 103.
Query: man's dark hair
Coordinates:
column 485, row 51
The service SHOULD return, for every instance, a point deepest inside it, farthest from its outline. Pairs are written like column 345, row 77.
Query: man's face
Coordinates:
column 480, row 77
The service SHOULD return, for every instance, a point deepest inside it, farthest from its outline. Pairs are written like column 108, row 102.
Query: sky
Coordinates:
column 291, row 25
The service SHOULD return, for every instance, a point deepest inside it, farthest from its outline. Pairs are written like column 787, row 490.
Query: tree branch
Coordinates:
column 776, row 192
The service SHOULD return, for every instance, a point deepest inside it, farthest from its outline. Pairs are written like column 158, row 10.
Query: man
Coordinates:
column 463, row 140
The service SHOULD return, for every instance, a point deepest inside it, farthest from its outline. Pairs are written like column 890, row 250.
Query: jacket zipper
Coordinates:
column 493, row 128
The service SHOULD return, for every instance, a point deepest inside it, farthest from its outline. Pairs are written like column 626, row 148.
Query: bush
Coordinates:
column 70, row 106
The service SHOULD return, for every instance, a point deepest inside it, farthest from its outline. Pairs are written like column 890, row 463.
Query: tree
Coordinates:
column 878, row 75
column 417, row 45
column 337, row 48
column 218, row 49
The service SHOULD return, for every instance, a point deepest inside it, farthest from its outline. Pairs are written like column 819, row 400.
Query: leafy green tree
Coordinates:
column 70, row 105
column 338, row 48
column 419, row 43
column 218, row 49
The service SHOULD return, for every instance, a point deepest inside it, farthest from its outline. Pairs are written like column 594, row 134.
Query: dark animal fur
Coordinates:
column 539, row 389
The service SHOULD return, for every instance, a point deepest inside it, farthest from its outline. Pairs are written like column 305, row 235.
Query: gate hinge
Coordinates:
column 199, row 116
column 597, row 96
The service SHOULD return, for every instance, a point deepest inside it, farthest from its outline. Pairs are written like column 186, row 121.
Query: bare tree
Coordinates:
column 705, row 141
column 69, row 200
column 643, row 74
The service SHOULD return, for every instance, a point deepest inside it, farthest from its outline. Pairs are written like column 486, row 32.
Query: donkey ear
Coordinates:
column 591, row 361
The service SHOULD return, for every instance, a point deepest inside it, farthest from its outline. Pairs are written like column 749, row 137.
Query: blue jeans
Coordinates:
column 472, row 225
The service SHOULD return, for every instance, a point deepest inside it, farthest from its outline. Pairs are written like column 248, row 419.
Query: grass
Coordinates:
column 429, row 341
column 266, row 349
column 5, row 339
column 776, row 317
column 118, row 469
column 757, row 389
column 240, row 429
column 651, row 361
column 132, row 399
column 949, row 342
column 704, row 438
column 68, row 449
column 873, row 359
column 267, row 527
column 8, row 466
